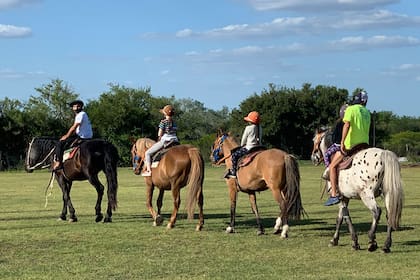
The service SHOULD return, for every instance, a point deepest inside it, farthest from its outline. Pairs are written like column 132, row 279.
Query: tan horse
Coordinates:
column 271, row 169
column 180, row 166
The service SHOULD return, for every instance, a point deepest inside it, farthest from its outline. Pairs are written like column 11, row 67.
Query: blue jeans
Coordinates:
column 235, row 157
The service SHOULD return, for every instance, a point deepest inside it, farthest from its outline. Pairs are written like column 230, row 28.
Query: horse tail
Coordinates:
column 392, row 188
column 295, row 209
column 195, row 180
column 111, row 160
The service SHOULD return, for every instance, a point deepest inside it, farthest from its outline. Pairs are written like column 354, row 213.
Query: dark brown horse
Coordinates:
column 271, row 169
column 180, row 166
column 91, row 157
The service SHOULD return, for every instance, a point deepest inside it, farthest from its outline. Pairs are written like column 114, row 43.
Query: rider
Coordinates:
column 251, row 138
column 166, row 134
column 355, row 131
column 336, row 140
column 81, row 129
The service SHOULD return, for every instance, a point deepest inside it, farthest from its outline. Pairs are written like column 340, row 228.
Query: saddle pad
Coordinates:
column 246, row 159
column 68, row 154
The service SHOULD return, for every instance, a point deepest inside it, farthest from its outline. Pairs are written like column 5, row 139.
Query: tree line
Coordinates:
column 289, row 118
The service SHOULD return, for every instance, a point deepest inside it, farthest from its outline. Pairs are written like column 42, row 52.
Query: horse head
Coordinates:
column 321, row 142
column 138, row 151
column 216, row 153
column 40, row 153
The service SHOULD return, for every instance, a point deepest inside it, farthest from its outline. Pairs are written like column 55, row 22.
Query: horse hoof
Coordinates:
column 372, row 247
column 170, row 226
column 230, row 230
column 158, row 221
column 72, row 220
column 356, row 247
column 284, row 236
column 99, row 218
column 277, row 231
column 386, row 250
column 333, row 243
column 60, row 219
column 260, row 232
column 198, row 228
column 108, row 220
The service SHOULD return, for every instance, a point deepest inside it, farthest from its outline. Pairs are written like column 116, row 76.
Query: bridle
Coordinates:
column 317, row 156
column 219, row 150
column 42, row 164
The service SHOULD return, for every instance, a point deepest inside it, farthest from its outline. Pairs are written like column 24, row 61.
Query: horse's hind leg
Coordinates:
column 177, row 201
column 376, row 214
column 200, row 203
column 158, row 220
column 100, row 191
column 253, row 201
column 388, row 241
column 282, row 223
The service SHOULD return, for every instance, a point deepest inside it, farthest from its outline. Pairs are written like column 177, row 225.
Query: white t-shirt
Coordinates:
column 84, row 130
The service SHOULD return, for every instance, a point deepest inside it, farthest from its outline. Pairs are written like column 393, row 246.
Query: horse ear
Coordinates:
column 132, row 139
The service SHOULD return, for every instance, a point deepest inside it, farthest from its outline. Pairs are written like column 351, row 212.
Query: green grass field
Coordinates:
column 34, row 245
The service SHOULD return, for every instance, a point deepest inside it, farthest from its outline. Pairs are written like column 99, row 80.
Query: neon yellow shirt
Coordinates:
column 359, row 118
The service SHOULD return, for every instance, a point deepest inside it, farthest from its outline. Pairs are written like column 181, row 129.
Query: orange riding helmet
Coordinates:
column 253, row 117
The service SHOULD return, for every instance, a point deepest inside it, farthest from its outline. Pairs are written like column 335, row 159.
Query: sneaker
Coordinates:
column 326, row 174
column 229, row 174
column 146, row 173
column 332, row 200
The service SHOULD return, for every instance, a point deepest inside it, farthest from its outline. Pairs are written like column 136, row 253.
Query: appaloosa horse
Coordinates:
column 374, row 172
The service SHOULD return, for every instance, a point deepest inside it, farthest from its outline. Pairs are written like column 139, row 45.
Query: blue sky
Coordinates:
column 217, row 52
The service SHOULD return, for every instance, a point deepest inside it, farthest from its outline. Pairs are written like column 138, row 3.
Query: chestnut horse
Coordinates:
column 271, row 169
column 374, row 172
column 92, row 157
column 179, row 166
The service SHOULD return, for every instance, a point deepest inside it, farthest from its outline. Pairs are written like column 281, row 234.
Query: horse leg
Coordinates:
column 253, row 201
column 159, row 219
column 67, row 204
column 388, row 241
column 149, row 195
column 282, row 223
column 177, row 201
column 200, row 203
column 94, row 181
column 369, row 200
column 233, row 194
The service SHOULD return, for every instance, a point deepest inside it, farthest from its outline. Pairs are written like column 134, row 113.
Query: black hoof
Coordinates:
column 386, row 250
column 99, row 218
column 372, row 247
column 108, row 220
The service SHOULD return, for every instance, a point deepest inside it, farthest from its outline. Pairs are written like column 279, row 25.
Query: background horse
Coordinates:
column 180, row 166
column 373, row 172
column 92, row 157
column 271, row 169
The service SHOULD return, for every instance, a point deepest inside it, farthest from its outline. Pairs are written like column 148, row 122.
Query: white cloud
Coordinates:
column 319, row 5
column 379, row 41
column 7, row 4
column 11, row 31
column 284, row 26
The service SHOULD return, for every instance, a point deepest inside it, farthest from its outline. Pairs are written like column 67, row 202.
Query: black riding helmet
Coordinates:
column 77, row 102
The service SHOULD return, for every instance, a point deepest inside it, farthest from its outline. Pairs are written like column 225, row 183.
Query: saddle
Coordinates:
column 247, row 159
column 72, row 149
column 158, row 156
column 348, row 159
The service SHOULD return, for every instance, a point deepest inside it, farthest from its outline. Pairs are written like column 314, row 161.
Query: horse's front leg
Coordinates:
column 254, row 207
column 177, row 201
column 94, row 181
column 67, row 204
column 149, row 196
column 339, row 221
column 345, row 214
column 159, row 219
column 233, row 195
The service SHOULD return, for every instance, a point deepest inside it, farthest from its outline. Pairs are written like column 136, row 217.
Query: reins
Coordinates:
column 41, row 162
